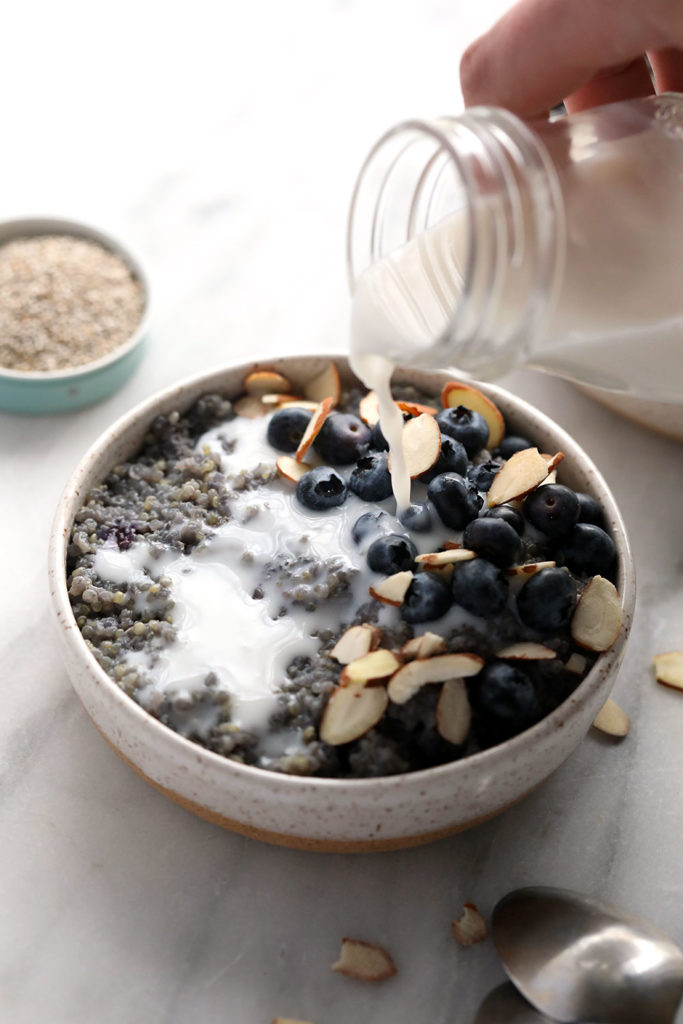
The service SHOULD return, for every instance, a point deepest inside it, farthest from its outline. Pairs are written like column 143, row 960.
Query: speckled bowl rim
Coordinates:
column 34, row 227
column 184, row 393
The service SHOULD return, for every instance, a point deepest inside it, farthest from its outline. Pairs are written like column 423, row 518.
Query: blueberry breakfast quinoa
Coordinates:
column 245, row 578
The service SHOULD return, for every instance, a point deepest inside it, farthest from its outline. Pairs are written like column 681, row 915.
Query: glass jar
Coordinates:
column 484, row 242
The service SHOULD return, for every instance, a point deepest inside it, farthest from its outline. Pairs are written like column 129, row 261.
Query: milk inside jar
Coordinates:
column 484, row 243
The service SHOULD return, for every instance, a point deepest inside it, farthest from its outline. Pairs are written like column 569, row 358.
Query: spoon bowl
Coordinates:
column 578, row 959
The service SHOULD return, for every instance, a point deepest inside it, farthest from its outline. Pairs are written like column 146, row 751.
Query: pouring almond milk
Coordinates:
column 484, row 243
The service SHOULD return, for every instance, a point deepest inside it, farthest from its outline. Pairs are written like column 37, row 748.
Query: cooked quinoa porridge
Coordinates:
column 246, row 579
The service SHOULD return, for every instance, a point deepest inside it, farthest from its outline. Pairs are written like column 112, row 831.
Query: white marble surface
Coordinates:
column 222, row 141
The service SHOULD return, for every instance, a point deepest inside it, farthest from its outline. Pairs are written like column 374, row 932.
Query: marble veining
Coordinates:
column 224, row 150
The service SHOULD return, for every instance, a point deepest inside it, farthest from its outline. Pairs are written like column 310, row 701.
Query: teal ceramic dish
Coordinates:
column 43, row 392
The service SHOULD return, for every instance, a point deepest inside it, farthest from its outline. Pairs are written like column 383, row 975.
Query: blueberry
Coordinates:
column 504, row 703
column 452, row 459
column 343, row 438
column 493, row 539
column 509, row 514
column 417, row 518
column 547, row 601
column 456, row 501
column 482, row 475
column 552, row 509
column 377, row 439
column 392, row 553
column 466, row 426
column 427, row 598
column 590, row 511
column 512, row 444
column 480, row 588
column 370, row 524
column 589, row 550
column 286, row 428
column 371, row 479
column 321, row 488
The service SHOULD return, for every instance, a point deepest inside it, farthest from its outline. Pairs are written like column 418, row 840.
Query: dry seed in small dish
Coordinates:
column 246, row 579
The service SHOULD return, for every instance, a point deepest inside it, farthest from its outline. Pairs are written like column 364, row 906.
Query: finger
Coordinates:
column 622, row 83
column 667, row 66
column 543, row 50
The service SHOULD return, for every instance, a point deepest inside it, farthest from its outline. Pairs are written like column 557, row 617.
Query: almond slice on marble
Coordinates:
column 448, row 557
column 522, row 473
column 325, row 383
column 455, row 393
column 289, row 1020
column 290, row 469
column 373, row 667
column 453, row 712
column 421, row 440
column 352, row 711
column 405, row 683
column 529, row 569
column 264, row 382
column 576, row 663
column 611, row 719
column 320, row 414
column 596, row 621
column 355, row 642
column 392, row 589
column 368, row 408
column 423, row 646
column 669, row 669
column 416, row 409
column 526, row 650
column 471, row 928
column 364, row 961
column 250, row 407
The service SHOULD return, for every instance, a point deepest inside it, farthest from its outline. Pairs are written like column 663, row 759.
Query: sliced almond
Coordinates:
column 530, row 569
column 415, row 409
column 522, row 472
column 471, row 928
column 669, row 669
column 448, row 557
column 611, row 719
column 325, row 383
column 405, row 683
column 263, row 382
column 421, row 440
column 453, row 712
column 355, row 642
column 290, row 469
column 250, row 407
column 289, row 1020
column 526, row 650
column 300, row 403
column 364, row 961
column 444, row 572
column 393, row 589
column 368, row 408
column 279, row 399
column 320, row 414
column 596, row 621
column 576, row 663
column 372, row 667
column 350, row 712
column 553, row 461
column 455, row 393
column 423, row 646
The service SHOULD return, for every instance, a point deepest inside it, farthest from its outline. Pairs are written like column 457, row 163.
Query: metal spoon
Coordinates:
column 578, row 959
column 504, row 1005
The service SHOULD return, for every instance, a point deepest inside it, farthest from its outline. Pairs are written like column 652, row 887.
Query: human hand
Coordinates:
column 585, row 52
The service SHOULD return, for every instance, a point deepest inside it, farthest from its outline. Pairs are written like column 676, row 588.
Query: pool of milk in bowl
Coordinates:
column 245, row 643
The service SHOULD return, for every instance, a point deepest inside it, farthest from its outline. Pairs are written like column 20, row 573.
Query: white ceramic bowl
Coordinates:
column 331, row 814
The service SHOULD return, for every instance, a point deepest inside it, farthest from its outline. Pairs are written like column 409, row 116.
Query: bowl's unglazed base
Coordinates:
column 295, row 842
